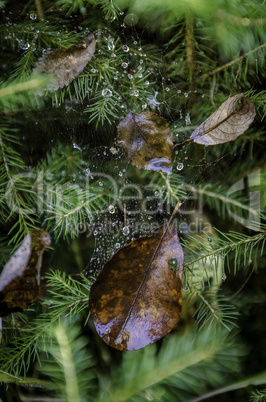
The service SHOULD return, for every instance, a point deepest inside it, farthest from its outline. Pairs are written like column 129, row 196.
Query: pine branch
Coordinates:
column 232, row 62
column 190, row 46
column 39, row 10
column 171, row 188
column 7, row 378
column 180, row 355
column 211, row 308
column 258, row 396
column 68, row 362
column 69, row 297
column 222, row 247
column 23, row 93
column 15, row 194
column 222, row 202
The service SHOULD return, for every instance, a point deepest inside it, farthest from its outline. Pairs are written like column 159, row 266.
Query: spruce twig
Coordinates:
column 230, row 63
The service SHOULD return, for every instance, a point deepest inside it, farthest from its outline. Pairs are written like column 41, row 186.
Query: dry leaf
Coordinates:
column 147, row 141
column 137, row 299
column 20, row 278
column 227, row 123
column 65, row 65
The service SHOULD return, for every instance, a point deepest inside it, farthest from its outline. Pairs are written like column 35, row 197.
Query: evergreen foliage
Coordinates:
column 60, row 170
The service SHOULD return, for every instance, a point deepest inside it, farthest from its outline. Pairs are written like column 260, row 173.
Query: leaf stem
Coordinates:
column 183, row 142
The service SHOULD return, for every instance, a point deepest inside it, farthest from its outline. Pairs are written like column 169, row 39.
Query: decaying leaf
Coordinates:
column 20, row 278
column 137, row 299
column 228, row 122
column 65, row 65
column 147, row 141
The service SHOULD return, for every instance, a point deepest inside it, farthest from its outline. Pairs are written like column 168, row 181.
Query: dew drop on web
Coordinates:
column 111, row 209
column 125, row 230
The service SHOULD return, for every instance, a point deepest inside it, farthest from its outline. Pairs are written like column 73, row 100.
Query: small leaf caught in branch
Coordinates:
column 228, row 122
column 20, row 278
column 65, row 65
column 136, row 299
column 147, row 141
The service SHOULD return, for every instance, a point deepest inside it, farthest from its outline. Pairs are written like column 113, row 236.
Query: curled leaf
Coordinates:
column 65, row 65
column 20, row 278
column 228, row 122
column 147, row 141
column 137, row 299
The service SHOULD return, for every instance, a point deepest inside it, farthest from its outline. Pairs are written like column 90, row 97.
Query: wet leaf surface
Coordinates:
column 228, row 122
column 65, row 65
column 137, row 299
column 20, row 278
column 147, row 141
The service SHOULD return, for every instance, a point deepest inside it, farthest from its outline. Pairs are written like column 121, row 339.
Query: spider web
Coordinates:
column 141, row 206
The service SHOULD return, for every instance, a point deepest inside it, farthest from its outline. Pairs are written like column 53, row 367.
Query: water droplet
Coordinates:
column 113, row 150
column 125, row 48
column 156, row 193
column 187, row 119
column 33, row 16
column 186, row 94
column 209, row 239
column 224, row 277
column 25, row 46
column 95, row 232
column 135, row 92
column 107, row 93
column 93, row 70
column 124, row 64
column 111, row 46
column 185, row 289
column 180, row 166
column 100, row 183
column 111, row 209
column 173, row 263
column 117, row 245
column 130, row 76
column 76, row 146
column 131, row 19
column 120, row 174
column 167, row 89
column 125, row 230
